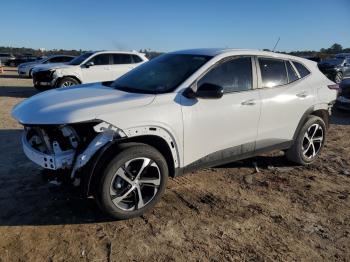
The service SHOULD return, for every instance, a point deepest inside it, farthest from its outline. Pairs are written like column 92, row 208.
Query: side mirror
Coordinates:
column 206, row 90
column 88, row 64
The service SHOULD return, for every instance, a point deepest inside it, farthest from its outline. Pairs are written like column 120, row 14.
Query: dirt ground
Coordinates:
column 230, row 213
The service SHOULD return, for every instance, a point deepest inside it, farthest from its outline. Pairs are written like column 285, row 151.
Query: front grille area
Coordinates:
column 43, row 76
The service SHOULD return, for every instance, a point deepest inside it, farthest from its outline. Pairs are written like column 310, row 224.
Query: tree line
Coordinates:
column 20, row 51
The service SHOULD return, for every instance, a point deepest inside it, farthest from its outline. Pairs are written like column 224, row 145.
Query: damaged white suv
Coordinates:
column 179, row 112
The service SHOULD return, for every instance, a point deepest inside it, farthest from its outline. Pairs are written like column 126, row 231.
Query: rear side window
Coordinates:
column 273, row 72
column 122, row 59
column 292, row 75
column 136, row 59
column 303, row 71
column 233, row 75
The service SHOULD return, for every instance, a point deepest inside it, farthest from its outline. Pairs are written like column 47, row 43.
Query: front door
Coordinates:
column 98, row 72
column 218, row 129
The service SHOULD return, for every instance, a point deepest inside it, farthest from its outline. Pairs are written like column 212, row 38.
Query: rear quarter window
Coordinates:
column 303, row 71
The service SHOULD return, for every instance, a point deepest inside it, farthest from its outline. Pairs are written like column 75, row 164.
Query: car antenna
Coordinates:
column 273, row 50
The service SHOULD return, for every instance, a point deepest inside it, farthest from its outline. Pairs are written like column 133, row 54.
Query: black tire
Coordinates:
column 338, row 77
column 13, row 64
column 67, row 81
column 296, row 152
column 109, row 178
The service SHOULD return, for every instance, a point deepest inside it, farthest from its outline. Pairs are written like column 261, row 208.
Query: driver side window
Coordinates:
column 102, row 59
column 234, row 75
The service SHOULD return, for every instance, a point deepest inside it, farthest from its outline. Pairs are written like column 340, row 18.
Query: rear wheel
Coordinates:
column 67, row 81
column 132, row 182
column 309, row 142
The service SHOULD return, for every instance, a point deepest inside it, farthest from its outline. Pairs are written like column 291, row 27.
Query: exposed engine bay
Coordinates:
column 66, row 147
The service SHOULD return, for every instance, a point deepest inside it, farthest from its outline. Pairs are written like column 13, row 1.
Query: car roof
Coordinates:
column 234, row 51
column 116, row 52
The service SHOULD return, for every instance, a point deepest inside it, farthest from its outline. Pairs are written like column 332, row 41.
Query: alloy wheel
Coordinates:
column 312, row 141
column 67, row 83
column 135, row 184
column 338, row 78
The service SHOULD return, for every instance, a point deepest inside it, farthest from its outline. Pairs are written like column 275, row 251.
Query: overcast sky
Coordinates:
column 171, row 25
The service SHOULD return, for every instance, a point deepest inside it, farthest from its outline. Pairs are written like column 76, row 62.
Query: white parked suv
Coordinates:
column 176, row 113
column 88, row 68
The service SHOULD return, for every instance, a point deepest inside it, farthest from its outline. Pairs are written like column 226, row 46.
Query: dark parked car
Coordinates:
column 343, row 100
column 336, row 68
column 342, row 55
column 22, row 59
column 5, row 57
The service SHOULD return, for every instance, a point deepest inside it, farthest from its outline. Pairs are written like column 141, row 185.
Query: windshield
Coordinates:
column 334, row 61
column 160, row 75
column 79, row 59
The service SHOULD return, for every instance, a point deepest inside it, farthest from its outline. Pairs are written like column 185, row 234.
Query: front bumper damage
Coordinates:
column 48, row 153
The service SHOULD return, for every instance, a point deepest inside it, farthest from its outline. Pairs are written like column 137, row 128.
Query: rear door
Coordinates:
column 218, row 129
column 285, row 97
column 100, row 70
column 121, row 63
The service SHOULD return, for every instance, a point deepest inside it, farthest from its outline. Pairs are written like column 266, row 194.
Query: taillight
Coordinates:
column 334, row 87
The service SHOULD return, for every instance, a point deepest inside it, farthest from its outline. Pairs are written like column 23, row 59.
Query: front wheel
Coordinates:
column 132, row 182
column 67, row 81
column 309, row 142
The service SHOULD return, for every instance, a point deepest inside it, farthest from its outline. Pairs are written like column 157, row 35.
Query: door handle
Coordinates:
column 249, row 102
column 302, row 94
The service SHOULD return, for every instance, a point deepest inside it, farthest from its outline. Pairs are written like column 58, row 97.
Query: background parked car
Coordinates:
column 343, row 100
column 342, row 55
column 88, row 68
column 5, row 57
column 25, row 69
column 336, row 68
column 22, row 59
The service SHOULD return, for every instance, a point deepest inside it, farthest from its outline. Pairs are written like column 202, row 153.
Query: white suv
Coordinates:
column 88, row 68
column 176, row 113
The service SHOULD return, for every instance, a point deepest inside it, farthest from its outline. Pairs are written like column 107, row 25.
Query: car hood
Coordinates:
column 76, row 104
column 47, row 66
column 28, row 64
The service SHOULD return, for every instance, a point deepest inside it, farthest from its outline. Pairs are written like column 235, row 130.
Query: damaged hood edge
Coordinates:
column 76, row 104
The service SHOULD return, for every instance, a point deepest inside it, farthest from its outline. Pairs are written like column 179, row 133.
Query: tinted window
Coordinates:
column 67, row 58
column 303, row 71
column 122, row 59
column 292, row 75
column 102, row 59
column 58, row 59
column 273, row 72
column 233, row 75
column 160, row 75
column 78, row 60
column 136, row 59
column 347, row 61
